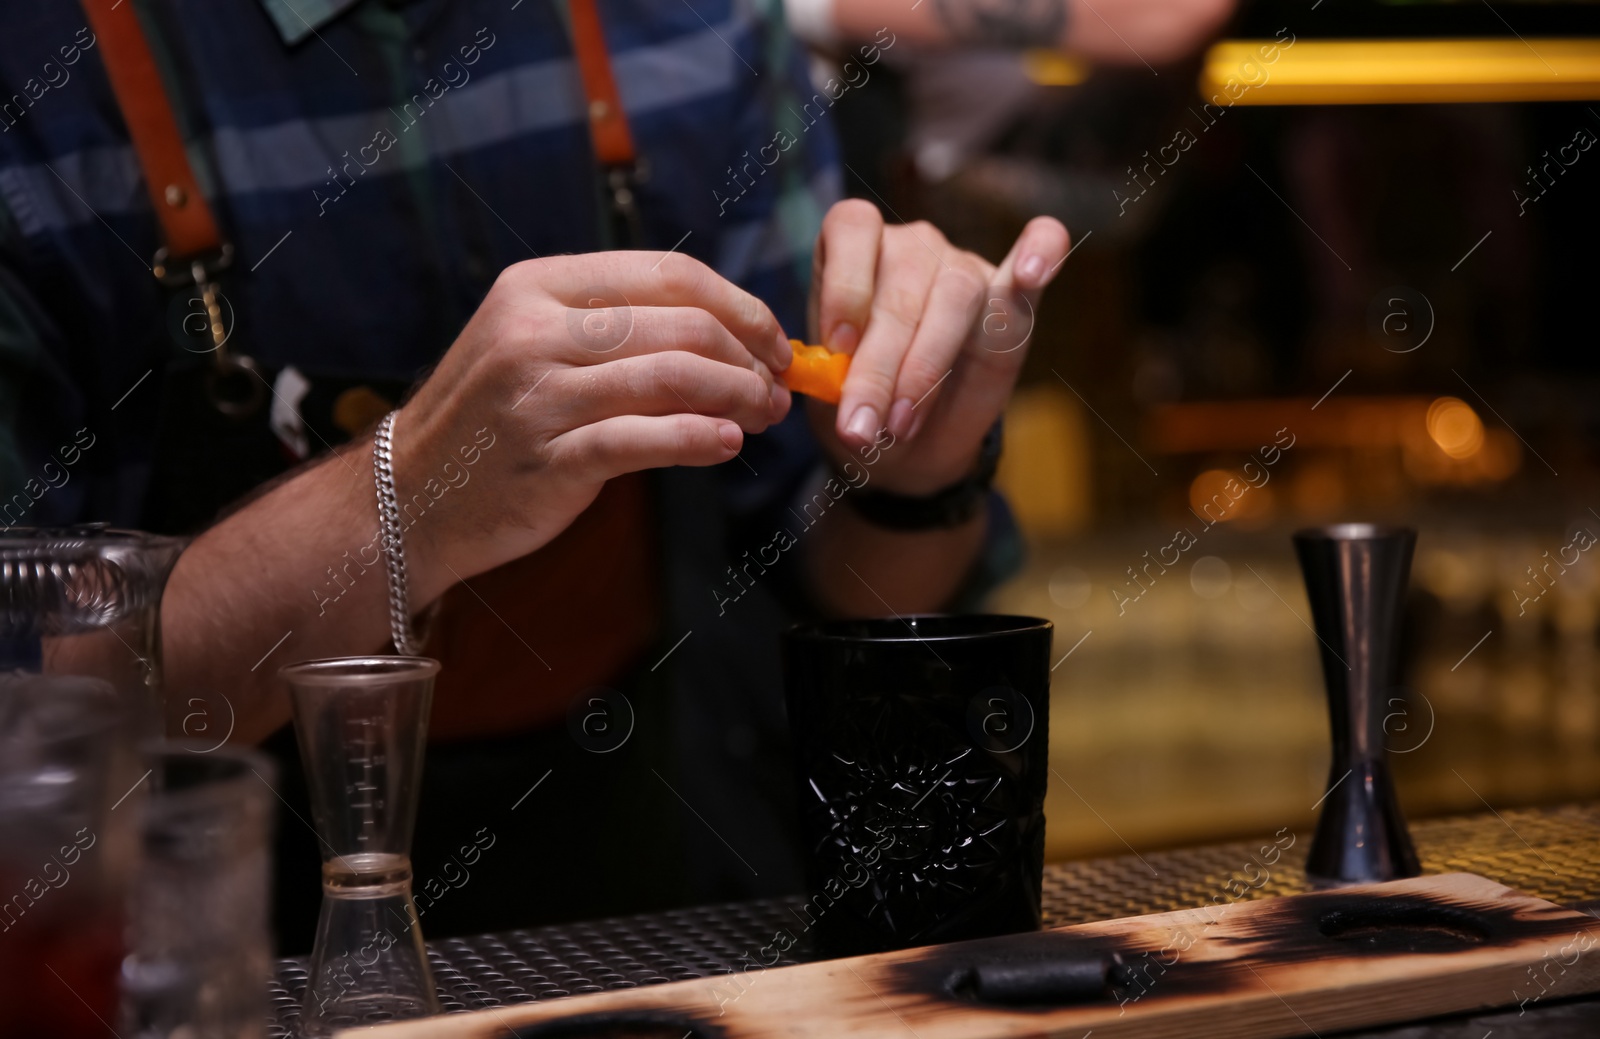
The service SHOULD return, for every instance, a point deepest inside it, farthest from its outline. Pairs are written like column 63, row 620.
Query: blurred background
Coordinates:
column 1339, row 256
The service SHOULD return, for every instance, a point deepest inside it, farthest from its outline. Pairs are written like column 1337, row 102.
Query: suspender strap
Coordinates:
column 193, row 251
column 608, row 124
column 187, row 226
column 620, row 167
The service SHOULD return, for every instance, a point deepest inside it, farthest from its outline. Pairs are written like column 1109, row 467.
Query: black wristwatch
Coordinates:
column 943, row 509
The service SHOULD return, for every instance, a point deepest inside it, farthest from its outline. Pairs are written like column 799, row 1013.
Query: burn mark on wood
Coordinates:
column 1045, row 971
column 622, row 1024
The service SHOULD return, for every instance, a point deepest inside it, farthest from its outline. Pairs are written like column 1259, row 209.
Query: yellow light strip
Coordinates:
column 1357, row 72
column 1051, row 68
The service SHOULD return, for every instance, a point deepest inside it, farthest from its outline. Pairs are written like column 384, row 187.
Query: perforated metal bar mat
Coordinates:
column 1552, row 853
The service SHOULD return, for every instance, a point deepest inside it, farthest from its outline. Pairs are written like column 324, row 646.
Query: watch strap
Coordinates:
column 945, row 508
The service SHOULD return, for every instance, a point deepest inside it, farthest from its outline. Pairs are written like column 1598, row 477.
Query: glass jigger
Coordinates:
column 361, row 724
column 200, row 942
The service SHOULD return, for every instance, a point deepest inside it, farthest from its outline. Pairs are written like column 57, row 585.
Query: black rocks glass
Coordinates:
column 921, row 749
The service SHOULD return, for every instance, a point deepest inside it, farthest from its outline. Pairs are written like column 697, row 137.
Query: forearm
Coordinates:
column 856, row 569
column 965, row 23
column 296, row 574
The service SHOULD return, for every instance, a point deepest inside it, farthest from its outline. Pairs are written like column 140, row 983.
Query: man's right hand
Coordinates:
column 582, row 368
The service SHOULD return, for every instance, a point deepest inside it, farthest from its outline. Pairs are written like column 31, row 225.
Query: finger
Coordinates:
column 608, row 333
column 629, row 443
column 906, row 276
column 666, row 383
column 952, row 308
column 653, row 279
column 848, row 253
column 1035, row 258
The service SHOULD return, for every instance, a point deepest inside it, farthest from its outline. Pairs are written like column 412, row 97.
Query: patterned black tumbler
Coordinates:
column 921, row 757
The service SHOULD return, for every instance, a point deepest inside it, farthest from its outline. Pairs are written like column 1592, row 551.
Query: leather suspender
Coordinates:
column 186, row 222
column 608, row 122
column 193, row 252
column 608, row 125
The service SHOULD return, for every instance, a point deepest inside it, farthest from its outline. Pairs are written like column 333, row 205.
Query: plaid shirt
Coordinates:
column 375, row 165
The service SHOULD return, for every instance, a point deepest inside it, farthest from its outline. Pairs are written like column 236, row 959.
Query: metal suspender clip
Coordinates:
column 624, row 180
column 235, row 385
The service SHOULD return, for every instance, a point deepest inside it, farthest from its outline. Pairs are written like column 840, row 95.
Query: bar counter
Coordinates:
column 1552, row 853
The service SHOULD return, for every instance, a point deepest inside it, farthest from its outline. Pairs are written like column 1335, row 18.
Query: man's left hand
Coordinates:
column 938, row 336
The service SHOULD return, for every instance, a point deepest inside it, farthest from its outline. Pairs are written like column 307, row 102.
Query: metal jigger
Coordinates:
column 1356, row 577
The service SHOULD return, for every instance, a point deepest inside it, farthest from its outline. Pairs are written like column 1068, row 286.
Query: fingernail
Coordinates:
column 900, row 418
column 843, row 339
column 731, row 435
column 1030, row 270
column 778, row 397
column 785, row 352
column 864, row 424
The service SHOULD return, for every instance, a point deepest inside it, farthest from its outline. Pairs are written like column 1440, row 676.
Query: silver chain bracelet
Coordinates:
column 394, row 551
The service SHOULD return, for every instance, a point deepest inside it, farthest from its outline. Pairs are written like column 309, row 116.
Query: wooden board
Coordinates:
column 1322, row 962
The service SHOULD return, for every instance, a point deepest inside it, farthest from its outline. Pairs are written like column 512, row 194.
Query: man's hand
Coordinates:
column 1109, row 32
column 1149, row 32
column 938, row 336
column 664, row 363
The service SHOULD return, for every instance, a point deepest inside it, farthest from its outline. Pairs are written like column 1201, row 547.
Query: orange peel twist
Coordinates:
column 816, row 372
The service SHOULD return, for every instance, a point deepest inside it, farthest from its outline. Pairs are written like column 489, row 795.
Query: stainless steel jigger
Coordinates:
column 1356, row 577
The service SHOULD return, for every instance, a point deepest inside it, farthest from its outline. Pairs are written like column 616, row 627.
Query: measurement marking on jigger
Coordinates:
column 936, row 785
column 674, row 648
column 274, row 649
column 132, row 788
column 1073, row 650
column 1474, row 648
column 1332, row 788
column 532, row 788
